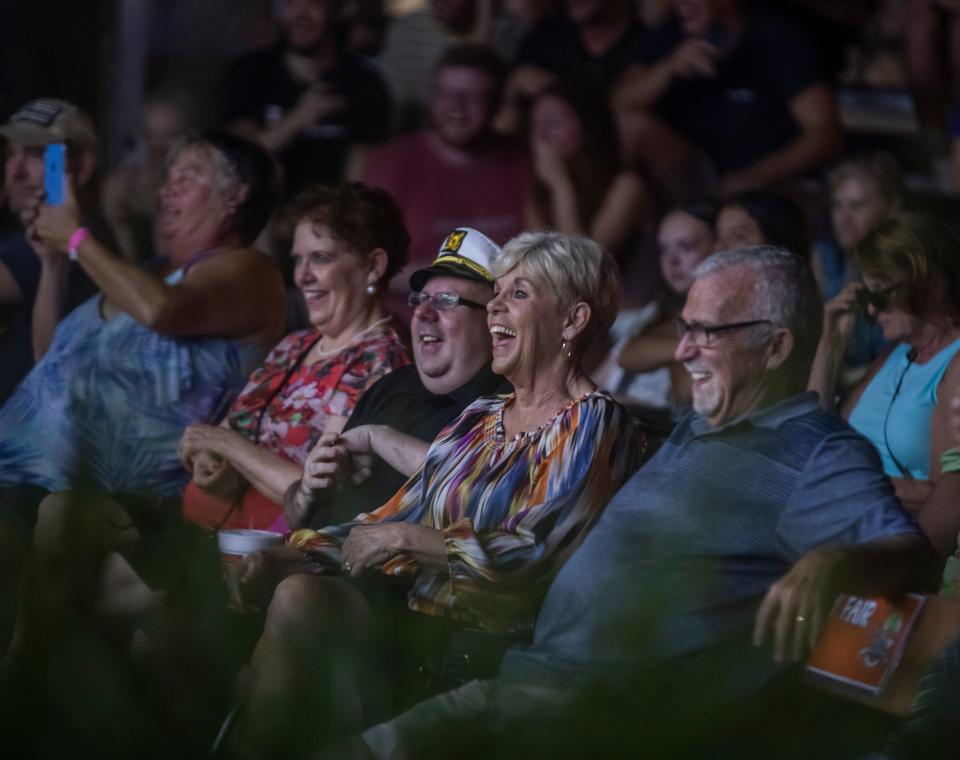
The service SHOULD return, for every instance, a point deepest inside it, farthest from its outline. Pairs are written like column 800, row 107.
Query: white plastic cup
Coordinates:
column 237, row 544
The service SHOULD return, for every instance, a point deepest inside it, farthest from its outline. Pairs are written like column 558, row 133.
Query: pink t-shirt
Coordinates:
column 437, row 195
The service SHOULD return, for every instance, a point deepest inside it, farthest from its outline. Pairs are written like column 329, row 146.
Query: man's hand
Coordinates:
column 214, row 475
column 795, row 608
column 316, row 103
column 693, row 58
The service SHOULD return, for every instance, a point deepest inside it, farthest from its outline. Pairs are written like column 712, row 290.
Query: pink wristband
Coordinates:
column 76, row 240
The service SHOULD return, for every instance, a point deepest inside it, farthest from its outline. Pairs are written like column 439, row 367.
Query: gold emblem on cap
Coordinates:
column 453, row 242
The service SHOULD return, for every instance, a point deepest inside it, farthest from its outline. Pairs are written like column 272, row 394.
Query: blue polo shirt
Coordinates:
column 684, row 553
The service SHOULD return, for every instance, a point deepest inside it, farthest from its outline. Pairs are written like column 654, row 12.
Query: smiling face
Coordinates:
column 305, row 23
column 737, row 229
column 526, row 325
column 855, row 209
column 192, row 202
column 450, row 346
column 462, row 104
column 683, row 241
column 728, row 376
column 556, row 123
column 332, row 278
column 696, row 16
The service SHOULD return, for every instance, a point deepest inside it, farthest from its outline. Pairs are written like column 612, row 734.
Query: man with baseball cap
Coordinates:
column 37, row 285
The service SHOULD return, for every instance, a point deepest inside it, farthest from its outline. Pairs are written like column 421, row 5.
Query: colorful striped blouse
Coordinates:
column 512, row 511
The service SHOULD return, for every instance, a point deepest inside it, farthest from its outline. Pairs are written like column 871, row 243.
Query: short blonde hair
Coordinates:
column 575, row 268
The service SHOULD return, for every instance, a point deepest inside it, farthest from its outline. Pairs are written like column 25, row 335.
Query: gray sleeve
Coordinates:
column 843, row 498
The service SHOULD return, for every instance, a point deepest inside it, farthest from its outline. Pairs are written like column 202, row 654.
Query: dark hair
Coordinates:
column 595, row 166
column 360, row 216
column 474, row 55
column 921, row 254
column 780, row 220
column 704, row 209
column 247, row 163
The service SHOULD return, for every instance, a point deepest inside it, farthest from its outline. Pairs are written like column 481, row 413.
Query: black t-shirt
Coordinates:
column 400, row 400
column 259, row 87
column 555, row 45
column 16, row 321
column 743, row 114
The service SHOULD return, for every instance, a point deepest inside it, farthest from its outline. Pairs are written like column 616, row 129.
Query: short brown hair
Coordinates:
column 477, row 56
column 362, row 217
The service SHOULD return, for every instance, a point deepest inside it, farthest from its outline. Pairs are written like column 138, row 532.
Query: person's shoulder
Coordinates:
column 295, row 341
column 603, row 410
column 778, row 41
column 406, row 147
column 14, row 244
column 359, row 69
column 403, row 380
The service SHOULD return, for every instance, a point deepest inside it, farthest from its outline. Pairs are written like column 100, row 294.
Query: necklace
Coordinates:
column 500, row 431
column 321, row 351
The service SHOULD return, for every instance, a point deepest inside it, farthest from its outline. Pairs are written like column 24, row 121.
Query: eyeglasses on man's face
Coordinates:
column 442, row 301
column 705, row 336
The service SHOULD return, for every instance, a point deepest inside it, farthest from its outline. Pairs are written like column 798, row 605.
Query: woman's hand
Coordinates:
column 840, row 314
column 197, row 438
column 324, row 465
column 548, row 164
column 369, row 546
column 53, row 225
column 216, row 476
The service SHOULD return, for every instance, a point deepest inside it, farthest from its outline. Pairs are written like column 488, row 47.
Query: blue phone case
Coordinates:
column 54, row 173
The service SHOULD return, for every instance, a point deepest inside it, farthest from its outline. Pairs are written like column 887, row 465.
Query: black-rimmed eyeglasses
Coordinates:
column 705, row 335
column 442, row 301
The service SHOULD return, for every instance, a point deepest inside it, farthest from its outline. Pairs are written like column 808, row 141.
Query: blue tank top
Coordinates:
column 110, row 399
column 896, row 408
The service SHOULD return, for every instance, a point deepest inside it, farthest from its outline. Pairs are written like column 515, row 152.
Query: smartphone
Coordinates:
column 55, row 173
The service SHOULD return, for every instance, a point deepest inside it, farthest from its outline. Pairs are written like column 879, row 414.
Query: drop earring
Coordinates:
column 371, row 289
column 565, row 350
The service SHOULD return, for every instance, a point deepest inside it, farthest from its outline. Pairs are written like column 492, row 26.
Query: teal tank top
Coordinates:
column 896, row 408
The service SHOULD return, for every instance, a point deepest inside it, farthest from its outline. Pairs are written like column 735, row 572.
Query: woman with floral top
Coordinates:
column 504, row 496
column 347, row 244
